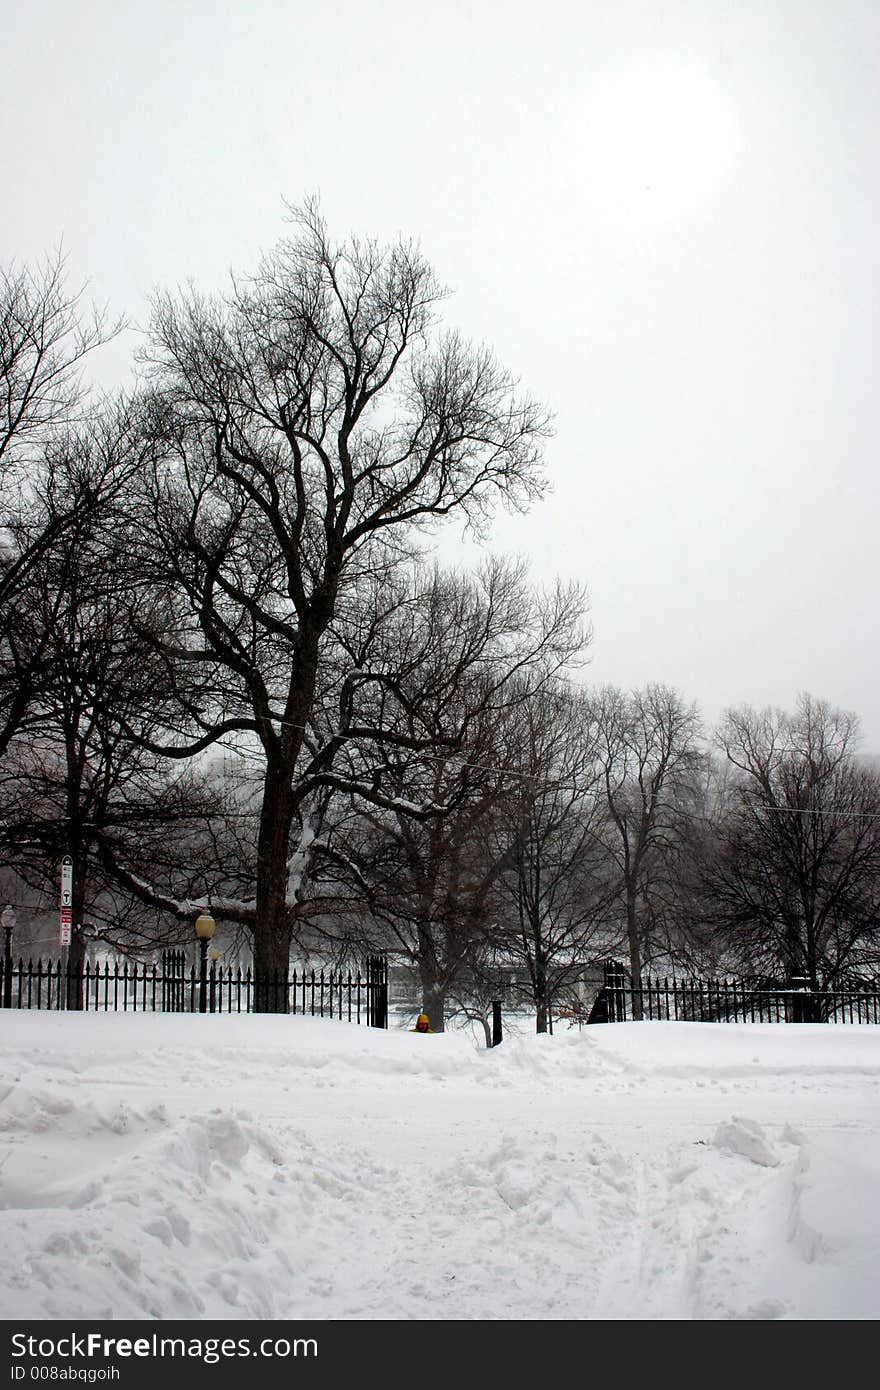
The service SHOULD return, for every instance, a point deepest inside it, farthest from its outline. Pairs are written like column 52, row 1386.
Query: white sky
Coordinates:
column 663, row 217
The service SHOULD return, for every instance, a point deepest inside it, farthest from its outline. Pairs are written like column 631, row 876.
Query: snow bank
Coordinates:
column 274, row 1168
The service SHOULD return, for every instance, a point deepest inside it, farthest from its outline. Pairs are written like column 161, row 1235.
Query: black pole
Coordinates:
column 802, row 1010
column 203, row 974
column 497, row 1032
column 7, row 970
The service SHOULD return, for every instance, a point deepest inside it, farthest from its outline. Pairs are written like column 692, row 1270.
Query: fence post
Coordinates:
column 7, row 918
column 615, row 983
column 497, row 1031
column 802, row 1002
column 377, row 992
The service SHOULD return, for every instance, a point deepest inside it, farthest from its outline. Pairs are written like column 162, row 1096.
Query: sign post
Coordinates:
column 66, row 905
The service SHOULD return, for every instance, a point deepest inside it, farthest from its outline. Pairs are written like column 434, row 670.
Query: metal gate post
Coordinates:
column 497, row 1031
column 377, row 992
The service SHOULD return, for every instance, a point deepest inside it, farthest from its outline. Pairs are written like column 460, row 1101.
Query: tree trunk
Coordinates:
column 433, row 997
column 542, row 1001
column 272, row 928
column 273, row 925
column 635, row 956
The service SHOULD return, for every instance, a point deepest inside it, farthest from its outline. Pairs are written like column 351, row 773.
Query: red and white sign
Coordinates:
column 66, row 905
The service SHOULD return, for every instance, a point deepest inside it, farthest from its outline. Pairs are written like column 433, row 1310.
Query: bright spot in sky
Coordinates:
column 660, row 137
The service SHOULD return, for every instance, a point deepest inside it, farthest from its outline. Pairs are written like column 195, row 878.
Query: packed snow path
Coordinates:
column 257, row 1168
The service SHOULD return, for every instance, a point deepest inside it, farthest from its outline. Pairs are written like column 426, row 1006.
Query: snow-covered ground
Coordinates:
column 287, row 1168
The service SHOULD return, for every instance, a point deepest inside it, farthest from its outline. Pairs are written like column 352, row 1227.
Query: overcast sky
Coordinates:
column 664, row 217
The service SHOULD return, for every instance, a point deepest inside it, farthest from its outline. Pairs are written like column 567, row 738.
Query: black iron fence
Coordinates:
column 173, row 987
column 731, row 1001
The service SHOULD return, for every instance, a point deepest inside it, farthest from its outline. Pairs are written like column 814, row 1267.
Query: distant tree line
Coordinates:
column 231, row 676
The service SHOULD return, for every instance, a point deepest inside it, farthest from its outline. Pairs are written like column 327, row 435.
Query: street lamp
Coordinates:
column 7, row 920
column 205, row 927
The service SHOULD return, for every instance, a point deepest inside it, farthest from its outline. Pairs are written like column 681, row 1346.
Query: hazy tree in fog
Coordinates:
column 649, row 752
column 795, row 880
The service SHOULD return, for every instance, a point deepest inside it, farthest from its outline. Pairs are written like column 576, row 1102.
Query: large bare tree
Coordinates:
column 310, row 424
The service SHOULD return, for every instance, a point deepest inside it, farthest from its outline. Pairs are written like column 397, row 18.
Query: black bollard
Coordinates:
column 497, row 1032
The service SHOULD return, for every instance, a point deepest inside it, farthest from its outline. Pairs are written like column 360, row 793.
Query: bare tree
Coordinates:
column 557, row 880
column 73, row 781
column 794, row 884
column 47, row 488
column 467, row 659
column 310, row 425
column 649, row 753
column 45, row 338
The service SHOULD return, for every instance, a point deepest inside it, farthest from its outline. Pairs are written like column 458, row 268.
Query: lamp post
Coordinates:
column 7, row 919
column 205, row 926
